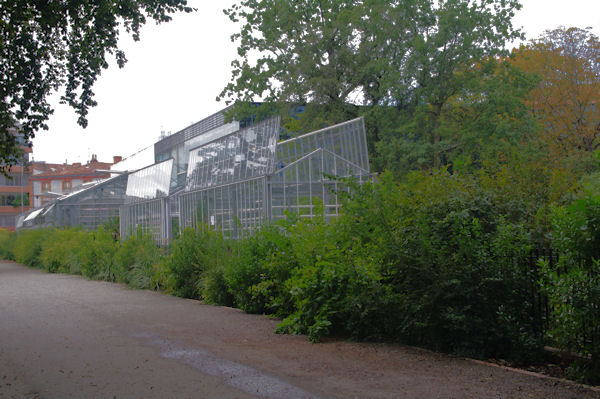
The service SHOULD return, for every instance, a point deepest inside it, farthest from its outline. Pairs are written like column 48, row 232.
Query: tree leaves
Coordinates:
column 49, row 44
column 343, row 58
column 568, row 64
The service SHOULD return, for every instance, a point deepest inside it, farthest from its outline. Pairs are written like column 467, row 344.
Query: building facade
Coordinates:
column 50, row 181
column 15, row 188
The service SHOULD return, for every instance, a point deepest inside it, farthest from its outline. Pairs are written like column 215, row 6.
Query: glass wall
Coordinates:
column 312, row 181
column 239, row 182
column 92, row 205
column 245, row 154
column 150, row 217
column 235, row 209
column 151, row 182
column 347, row 140
column 234, row 183
column 146, row 202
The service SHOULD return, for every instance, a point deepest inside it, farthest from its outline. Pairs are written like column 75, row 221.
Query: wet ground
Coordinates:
column 67, row 337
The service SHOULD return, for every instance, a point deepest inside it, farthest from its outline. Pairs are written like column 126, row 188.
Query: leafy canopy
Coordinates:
column 49, row 44
column 397, row 62
column 568, row 64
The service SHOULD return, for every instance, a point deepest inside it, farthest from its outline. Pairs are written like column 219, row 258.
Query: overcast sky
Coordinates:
column 176, row 70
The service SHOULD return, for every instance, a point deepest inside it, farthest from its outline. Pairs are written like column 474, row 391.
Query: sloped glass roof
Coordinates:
column 346, row 140
column 149, row 183
column 242, row 155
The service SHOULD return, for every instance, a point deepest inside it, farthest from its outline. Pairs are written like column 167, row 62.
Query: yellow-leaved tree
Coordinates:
column 567, row 99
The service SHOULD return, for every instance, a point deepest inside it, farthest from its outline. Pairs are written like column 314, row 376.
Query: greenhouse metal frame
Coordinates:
column 234, row 184
column 240, row 181
column 90, row 206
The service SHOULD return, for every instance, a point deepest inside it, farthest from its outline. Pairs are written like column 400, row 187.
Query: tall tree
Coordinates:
column 568, row 95
column 456, row 36
column 48, row 44
column 484, row 121
column 350, row 57
column 309, row 52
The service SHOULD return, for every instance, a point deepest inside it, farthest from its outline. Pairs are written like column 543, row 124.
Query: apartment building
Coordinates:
column 49, row 181
column 15, row 189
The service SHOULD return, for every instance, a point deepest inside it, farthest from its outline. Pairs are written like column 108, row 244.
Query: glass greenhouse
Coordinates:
column 92, row 205
column 239, row 181
column 146, row 202
column 235, row 182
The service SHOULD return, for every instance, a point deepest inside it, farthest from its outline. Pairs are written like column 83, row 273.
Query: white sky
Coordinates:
column 176, row 70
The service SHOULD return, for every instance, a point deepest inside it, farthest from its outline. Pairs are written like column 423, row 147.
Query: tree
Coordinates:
column 308, row 54
column 343, row 58
column 484, row 121
column 48, row 44
column 566, row 99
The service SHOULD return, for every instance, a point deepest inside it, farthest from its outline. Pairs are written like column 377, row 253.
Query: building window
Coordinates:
column 45, row 186
column 11, row 180
column 66, row 185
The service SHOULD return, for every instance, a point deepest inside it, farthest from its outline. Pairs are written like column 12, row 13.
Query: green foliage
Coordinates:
column 573, row 285
column 213, row 287
column 446, row 252
column 49, row 45
column 16, row 203
column 422, row 72
column 98, row 257
column 7, row 241
column 256, row 277
column 93, row 254
column 192, row 255
column 137, row 262
column 61, row 251
column 28, row 246
column 75, row 251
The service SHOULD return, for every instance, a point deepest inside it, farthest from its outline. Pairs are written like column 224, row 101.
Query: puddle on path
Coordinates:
column 234, row 374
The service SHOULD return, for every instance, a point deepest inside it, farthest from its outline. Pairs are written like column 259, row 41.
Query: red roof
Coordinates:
column 63, row 170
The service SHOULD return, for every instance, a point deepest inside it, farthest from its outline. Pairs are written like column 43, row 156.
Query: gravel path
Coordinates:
column 66, row 337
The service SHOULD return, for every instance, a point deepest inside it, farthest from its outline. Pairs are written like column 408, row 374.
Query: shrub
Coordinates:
column 214, row 287
column 573, row 285
column 7, row 241
column 137, row 261
column 61, row 250
column 256, row 278
column 28, row 246
column 97, row 251
column 192, row 254
column 440, row 245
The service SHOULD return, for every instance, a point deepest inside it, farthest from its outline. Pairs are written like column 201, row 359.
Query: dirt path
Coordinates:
column 66, row 337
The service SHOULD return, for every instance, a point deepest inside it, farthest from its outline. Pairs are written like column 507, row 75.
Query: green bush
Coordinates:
column 194, row 254
column 137, row 261
column 28, row 246
column 214, row 287
column 451, row 275
column 76, row 251
column 573, row 285
column 7, row 241
column 256, row 278
column 61, row 250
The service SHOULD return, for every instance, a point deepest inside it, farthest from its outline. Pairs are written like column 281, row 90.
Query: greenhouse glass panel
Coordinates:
column 93, row 205
column 150, row 217
column 347, row 140
column 234, row 209
column 311, row 182
column 238, row 182
column 150, row 183
column 245, row 154
column 147, row 206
